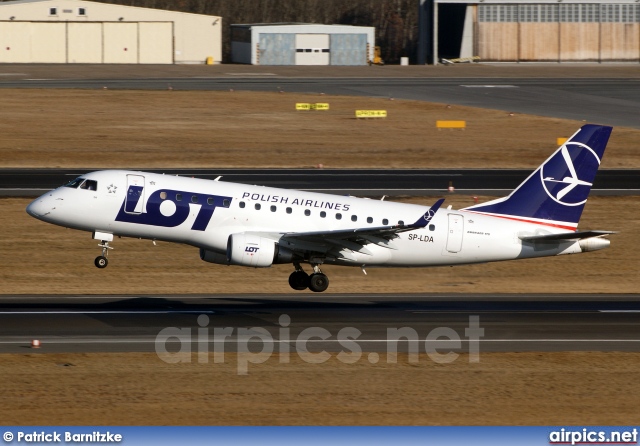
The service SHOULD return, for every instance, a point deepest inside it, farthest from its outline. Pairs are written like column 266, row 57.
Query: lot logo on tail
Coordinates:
column 560, row 178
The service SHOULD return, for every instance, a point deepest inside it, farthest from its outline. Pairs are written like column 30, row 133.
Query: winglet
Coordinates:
column 428, row 216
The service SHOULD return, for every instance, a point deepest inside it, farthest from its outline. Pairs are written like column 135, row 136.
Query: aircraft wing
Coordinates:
column 578, row 235
column 352, row 239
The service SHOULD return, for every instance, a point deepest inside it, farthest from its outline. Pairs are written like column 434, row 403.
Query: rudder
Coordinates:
column 556, row 192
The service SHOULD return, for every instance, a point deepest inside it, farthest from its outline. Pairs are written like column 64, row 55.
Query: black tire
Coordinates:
column 299, row 280
column 318, row 282
column 101, row 262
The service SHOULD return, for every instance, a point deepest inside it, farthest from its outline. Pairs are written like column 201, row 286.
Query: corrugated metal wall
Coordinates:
column 562, row 32
column 277, row 49
column 348, row 49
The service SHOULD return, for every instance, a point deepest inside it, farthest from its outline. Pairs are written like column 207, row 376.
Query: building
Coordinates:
column 302, row 44
column 75, row 31
column 535, row 30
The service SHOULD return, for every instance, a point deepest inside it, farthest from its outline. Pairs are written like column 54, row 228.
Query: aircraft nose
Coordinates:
column 39, row 207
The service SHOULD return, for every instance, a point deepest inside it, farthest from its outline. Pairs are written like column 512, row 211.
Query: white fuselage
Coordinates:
column 204, row 213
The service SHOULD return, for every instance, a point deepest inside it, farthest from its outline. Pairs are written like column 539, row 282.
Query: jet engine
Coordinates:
column 256, row 251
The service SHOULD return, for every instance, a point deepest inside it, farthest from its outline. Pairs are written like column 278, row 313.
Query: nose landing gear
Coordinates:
column 316, row 282
column 102, row 261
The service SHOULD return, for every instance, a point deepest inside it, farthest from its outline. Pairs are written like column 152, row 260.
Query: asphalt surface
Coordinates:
column 595, row 93
column 360, row 182
column 598, row 100
column 511, row 323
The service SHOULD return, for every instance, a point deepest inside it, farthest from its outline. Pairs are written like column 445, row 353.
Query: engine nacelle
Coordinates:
column 255, row 251
column 213, row 257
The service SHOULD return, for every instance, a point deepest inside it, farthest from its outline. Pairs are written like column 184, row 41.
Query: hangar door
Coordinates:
column 32, row 42
column 348, row 49
column 86, row 42
column 312, row 49
column 559, row 32
column 277, row 49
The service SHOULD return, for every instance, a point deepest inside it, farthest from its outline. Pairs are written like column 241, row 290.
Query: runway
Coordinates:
column 359, row 182
column 510, row 323
column 569, row 98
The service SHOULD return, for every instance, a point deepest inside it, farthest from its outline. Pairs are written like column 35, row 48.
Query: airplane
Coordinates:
column 257, row 226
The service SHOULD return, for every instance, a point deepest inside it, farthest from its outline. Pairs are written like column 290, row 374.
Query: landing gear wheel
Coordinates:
column 101, row 262
column 318, row 282
column 299, row 280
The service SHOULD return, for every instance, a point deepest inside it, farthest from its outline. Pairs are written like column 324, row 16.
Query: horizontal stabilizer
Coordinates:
column 578, row 235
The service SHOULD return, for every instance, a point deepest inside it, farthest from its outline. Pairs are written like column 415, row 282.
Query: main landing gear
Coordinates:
column 102, row 261
column 317, row 282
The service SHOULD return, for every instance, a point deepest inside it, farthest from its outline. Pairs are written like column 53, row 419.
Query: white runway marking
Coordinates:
column 489, row 86
column 277, row 341
column 619, row 311
column 248, row 74
column 111, row 312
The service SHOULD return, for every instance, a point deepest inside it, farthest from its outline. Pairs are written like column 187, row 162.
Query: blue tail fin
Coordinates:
column 557, row 191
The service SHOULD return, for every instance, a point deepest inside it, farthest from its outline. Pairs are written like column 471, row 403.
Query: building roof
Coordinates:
column 87, row 4
column 295, row 24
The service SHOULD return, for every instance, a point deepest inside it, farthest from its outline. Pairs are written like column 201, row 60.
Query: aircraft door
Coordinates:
column 456, row 230
column 135, row 194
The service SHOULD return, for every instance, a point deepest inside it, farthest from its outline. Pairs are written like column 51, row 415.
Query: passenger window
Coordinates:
column 178, row 197
column 242, row 204
column 354, row 218
column 369, row 219
column 385, row 221
column 323, row 214
column 257, row 206
column 210, row 201
column 289, row 210
column 273, row 208
column 194, row 198
column 338, row 216
column 401, row 223
column 307, row 212
column 432, row 227
column 75, row 183
column 226, row 203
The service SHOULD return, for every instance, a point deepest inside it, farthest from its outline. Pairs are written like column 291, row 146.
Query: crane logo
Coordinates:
column 429, row 215
column 562, row 171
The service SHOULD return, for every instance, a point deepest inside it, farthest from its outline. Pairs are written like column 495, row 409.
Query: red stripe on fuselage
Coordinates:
column 554, row 225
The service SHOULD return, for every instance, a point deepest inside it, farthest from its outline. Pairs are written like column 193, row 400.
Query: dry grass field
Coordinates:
column 140, row 129
column 36, row 257
column 502, row 389
column 155, row 129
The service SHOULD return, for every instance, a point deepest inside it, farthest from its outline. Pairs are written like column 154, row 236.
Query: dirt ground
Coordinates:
column 155, row 129
column 502, row 389
column 100, row 129
column 36, row 257
column 138, row 129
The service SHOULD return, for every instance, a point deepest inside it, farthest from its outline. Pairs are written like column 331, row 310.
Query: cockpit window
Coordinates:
column 89, row 185
column 75, row 183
